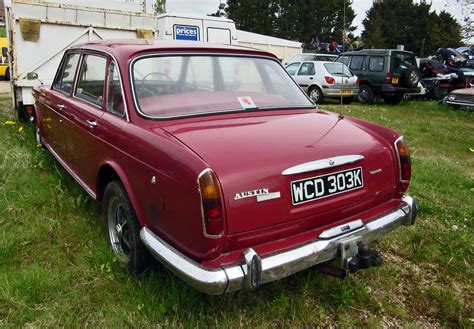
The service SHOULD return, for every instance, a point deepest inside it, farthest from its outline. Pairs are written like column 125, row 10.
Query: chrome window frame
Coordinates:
column 114, row 59
column 170, row 54
column 61, row 65
column 74, row 94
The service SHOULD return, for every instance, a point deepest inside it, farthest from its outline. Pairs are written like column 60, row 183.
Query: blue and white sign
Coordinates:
column 186, row 32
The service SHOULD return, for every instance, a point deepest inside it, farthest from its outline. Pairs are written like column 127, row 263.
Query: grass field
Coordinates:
column 56, row 270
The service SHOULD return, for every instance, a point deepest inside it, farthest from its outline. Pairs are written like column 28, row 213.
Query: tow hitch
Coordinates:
column 354, row 255
column 365, row 258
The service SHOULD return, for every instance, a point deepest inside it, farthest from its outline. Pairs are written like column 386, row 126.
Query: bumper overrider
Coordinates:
column 257, row 270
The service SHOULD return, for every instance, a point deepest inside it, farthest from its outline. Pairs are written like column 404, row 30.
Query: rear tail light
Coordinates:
column 211, row 204
column 329, row 80
column 357, row 82
column 403, row 159
column 389, row 76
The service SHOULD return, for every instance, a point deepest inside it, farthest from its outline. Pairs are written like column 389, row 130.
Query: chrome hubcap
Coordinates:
column 118, row 228
column 314, row 95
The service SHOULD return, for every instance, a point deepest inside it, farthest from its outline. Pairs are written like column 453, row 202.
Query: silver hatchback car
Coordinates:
column 325, row 79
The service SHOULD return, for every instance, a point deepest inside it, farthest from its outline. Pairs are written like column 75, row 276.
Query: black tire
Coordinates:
column 411, row 77
column 123, row 230
column 366, row 94
column 392, row 99
column 316, row 94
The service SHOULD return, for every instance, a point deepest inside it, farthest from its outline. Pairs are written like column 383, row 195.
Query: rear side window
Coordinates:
column 376, row 64
column 292, row 68
column 306, row 69
column 90, row 85
column 357, row 62
column 115, row 102
column 65, row 78
column 402, row 60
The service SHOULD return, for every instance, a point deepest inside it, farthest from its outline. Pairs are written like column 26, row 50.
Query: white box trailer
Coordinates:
column 196, row 28
column 40, row 32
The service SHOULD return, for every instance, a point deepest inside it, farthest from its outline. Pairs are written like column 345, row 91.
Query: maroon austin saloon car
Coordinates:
column 211, row 159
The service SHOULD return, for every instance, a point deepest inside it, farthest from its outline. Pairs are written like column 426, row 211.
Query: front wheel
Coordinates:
column 123, row 230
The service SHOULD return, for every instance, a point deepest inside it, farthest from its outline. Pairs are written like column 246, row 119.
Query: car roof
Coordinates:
column 375, row 52
column 130, row 47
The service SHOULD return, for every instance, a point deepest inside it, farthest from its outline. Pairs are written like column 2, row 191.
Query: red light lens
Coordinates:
column 389, row 76
column 211, row 203
column 329, row 80
column 357, row 82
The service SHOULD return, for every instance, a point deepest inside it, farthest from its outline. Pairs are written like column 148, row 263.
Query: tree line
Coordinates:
column 388, row 23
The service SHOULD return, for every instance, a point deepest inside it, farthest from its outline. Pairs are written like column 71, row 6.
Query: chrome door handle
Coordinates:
column 92, row 123
column 61, row 106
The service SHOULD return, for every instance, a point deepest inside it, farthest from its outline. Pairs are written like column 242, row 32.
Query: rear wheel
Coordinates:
column 316, row 94
column 123, row 230
column 366, row 95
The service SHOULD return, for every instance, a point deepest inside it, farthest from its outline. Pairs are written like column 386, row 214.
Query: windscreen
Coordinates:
column 168, row 86
column 338, row 69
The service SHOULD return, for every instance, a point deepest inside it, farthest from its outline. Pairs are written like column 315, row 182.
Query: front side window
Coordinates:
column 168, row 86
column 65, row 79
column 115, row 102
column 90, row 85
column 306, row 69
column 293, row 68
column 376, row 64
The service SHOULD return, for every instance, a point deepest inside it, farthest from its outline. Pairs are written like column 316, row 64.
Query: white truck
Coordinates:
column 40, row 31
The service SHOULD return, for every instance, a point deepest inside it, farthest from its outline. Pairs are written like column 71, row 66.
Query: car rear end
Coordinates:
column 402, row 75
column 281, row 186
column 338, row 80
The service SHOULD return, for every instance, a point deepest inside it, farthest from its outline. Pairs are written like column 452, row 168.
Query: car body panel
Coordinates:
column 307, row 80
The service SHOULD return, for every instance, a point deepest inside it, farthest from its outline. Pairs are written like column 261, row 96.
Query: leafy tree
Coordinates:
column 293, row 19
column 404, row 22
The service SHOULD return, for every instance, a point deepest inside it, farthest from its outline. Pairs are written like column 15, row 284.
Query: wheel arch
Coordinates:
column 110, row 171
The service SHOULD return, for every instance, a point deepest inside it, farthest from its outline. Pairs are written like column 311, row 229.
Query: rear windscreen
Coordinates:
column 402, row 60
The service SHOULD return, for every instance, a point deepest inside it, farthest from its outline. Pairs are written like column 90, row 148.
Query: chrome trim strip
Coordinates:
column 341, row 229
column 277, row 266
column 322, row 164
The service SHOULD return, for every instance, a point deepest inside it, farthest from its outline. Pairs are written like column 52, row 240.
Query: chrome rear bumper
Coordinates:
column 258, row 270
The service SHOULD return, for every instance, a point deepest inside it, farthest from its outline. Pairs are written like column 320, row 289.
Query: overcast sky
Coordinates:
column 360, row 7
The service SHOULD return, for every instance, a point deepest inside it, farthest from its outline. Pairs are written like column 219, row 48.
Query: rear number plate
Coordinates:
column 346, row 92
column 309, row 189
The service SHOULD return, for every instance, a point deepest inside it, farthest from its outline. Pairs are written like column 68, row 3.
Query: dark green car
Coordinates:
column 386, row 73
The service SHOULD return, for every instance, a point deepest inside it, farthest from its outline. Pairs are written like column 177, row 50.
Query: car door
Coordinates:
column 85, row 145
column 305, row 75
column 53, row 107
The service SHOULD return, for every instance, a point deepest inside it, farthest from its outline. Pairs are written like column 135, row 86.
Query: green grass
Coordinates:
column 56, row 270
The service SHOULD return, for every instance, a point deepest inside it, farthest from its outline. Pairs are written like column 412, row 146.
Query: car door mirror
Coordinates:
column 5, row 52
